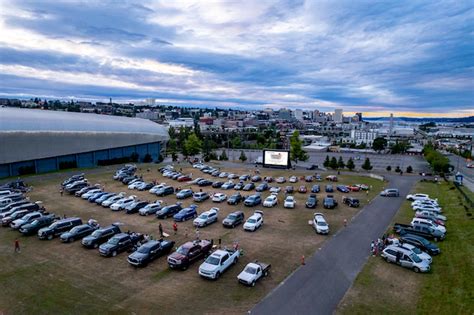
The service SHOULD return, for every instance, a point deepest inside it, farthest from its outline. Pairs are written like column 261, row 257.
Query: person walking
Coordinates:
column 175, row 228
column 197, row 233
column 160, row 228
column 372, row 248
column 61, row 191
column 17, row 246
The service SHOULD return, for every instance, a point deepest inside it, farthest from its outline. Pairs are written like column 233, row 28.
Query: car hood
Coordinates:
column 88, row 239
column 65, row 235
column 247, row 224
column 198, row 220
column 208, row 267
column 247, row 277
column 106, row 246
column 138, row 256
column 43, row 230
column 228, row 221
column 177, row 256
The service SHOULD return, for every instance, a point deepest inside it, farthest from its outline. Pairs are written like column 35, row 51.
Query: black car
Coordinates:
column 351, row 202
column 128, row 178
column 77, row 232
column 204, row 182
column 253, row 200
column 315, row 189
column 329, row 202
column 235, row 199
column 135, row 206
column 420, row 242
column 168, row 211
column 58, row 228
column 289, row 189
column 72, row 179
column 33, row 227
column 234, row 219
column 168, row 190
column 217, row 184
column 100, row 236
column 13, row 205
column 149, row 252
column 312, row 202
column 248, row 187
column 119, row 243
column 329, row 188
column 262, row 187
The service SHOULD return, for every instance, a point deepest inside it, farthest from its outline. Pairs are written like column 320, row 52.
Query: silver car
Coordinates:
column 405, row 258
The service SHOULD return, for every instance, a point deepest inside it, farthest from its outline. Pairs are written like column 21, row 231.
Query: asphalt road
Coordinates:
column 319, row 286
column 459, row 164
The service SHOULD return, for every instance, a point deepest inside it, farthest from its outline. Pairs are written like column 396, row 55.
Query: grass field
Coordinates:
column 447, row 289
column 51, row 277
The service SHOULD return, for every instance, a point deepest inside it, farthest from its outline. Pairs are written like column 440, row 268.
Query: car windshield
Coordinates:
column 321, row 223
column 416, row 250
column 75, row 229
column 35, row 222
column 415, row 258
column 203, row 216
column 250, row 270
column 251, row 221
column 183, row 250
column 143, row 249
column 114, row 241
column 232, row 217
column 212, row 260
column 97, row 233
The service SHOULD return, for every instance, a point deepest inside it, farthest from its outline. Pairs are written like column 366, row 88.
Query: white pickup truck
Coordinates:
column 218, row 262
column 252, row 272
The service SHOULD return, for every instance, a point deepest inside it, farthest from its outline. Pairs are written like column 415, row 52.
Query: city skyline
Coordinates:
column 410, row 59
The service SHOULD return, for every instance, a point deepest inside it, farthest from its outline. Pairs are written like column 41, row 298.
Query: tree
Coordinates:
column 242, row 156
column 350, row 164
column 147, row 158
column 134, row 157
column 333, row 163
column 172, row 132
column 398, row 169
column 389, row 168
column 296, row 151
column 340, row 163
column 367, row 166
column 223, row 156
column 379, row 144
column 327, row 162
column 409, row 169
column 192, row 145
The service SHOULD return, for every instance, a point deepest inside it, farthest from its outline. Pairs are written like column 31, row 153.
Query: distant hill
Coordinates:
column 469, row 119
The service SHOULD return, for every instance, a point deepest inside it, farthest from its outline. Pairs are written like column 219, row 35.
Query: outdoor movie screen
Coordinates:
column 276, row 158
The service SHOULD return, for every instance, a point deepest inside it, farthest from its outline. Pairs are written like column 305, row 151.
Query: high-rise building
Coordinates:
column 359, row 115
column 298, row 114
column 338, row 115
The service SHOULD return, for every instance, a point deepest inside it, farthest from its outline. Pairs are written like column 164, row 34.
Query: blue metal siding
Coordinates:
column 101, row 155
column 4, row 170
column 85, row 159
column 46, row 165
column 127, row 151
column 115, row 153
column 15, row 167
column 154, row 150
column 142, row 150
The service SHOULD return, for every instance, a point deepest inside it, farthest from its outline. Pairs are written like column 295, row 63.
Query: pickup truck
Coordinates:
column 252, row 272
column 218, row 262
column 188, row 253
column 420, row 230
column 119, row 243
column 149, row 252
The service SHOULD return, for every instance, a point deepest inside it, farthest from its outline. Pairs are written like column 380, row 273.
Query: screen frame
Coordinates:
column 265, row 164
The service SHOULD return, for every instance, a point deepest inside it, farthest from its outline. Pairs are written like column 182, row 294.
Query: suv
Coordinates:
column 186, row 214
column 30, row 217
column 149, row 252
column 151, row 208
column 183, row 194
column 351, row 202
column 234, row 199
column 329, row 202
column 405, row 258
column 119, row 243
column 253, row 200
column 319, row 223
column 206, row 218
column 233, row 219
column 254, row 222
column 100, row 236
column 329, row 188
column 168, row 211
column 135, row 206
column 168, row 190
column 200, row 196
column 312, row 201
column 391, row 192
column 78, row 232
column 188, row 253
column 58, row 227
column 33, row 227
column 421, row 243
column 248, row 187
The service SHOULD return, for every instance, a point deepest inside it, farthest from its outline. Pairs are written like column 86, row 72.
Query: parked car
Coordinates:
column 315, row 189
column 270, row 201
column 289, row 189
column 293, row 179
column 248, row 187
column 417, row 251
column 405, row 258
column 200, row 196
column 58, row 227
column 311, row 202
column 254, row 222
column 150, row 251
column 289, row 202
column 331, row 178
column 428, row 223
column 319, row 223
column 329, row 202
column 235, row 199
column 281, row 180
column 206, row 218
column 185, row 193
column 252, row 272
column 204, row 182
column 168, row 211
column 253, row 200
column 351, row 202
column 27, row 218
column 256, row 178
column 135, row 206
column 275, row 189
column 100, row 236
column 219, row 197
column 353, row 188
column 78, row 232
column 233, row 219
column 342, row 188
column 329, row 188
column 421, row 230
column 420, row 242
column 14, row 216
column 217, row 184
column 184, row 178
column 262, row 187
column 428, row 207
column 104, row 197
column 144, row 186
column 244, row 177
column 308, row 178
column 418, row 197
column 431, row 214
column 391, row 192
column 223, row 175
column 167, row 190
column 108, row 202
column 302, row 190
column 218, row 262
column 239, row 186
column 120, row 204
column 186, row 214
column 33, row 227
column 150, row 208
column 119, row 243
column 188, row 253
column 228, row 185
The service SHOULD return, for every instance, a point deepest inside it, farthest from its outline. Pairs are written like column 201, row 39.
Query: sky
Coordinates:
column 411, row 58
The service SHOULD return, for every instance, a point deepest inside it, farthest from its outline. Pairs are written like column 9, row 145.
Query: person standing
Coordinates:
column 61, row 191
column 175, row 228
column 372, row 248
column 17, row 246
column 197, row 233
column 160, row 228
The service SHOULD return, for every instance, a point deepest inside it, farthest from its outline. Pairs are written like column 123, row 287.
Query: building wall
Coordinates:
column 84, row 159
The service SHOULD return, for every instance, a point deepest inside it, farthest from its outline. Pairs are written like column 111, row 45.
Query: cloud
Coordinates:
column 360, row 56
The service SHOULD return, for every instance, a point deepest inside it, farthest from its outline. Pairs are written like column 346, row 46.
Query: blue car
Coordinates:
column 104, row 198
column 185, row 214
column 342, row 188
column 96, row 196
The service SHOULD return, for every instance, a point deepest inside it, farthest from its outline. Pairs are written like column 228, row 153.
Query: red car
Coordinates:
column 353, row 188
column 268, row 179
column 332, row 178
column 303, row 189
column 184, row 178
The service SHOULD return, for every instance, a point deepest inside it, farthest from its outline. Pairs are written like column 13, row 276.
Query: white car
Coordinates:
column 228, row 185
column 428, row 223
column 90, row 193
column 418, row 197
column 417, row 251
column 427, row 207
column 289, row 202
column 155, row 188
column 206, row 218
column 293, row 179
column 319, row 223
column 122, row 203
column 254, row 222
column 431, row 214
column 270, row 201
column 223, row 175
column 195, row 181
column 135, row 184
column 431, row 202
column 110, row 201
column 406, row 258
column 219, row 197
column 275, row 189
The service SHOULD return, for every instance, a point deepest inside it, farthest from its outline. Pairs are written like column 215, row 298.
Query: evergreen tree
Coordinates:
column 350, row 164
column 389, row 168
column 333, row 163
column 327, row 162
column 409, row 169
column 296, row 151
column 367, row 166
column 398, row 169
column 242, row 156
column 340, row 163
column 379, row 144
column 223, row 156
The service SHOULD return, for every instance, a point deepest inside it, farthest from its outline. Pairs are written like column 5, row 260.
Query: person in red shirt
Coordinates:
column 175, row 228
column 17, row 246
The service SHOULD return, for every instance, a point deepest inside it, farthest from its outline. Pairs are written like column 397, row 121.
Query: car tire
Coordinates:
column 236, row 259
column 386, row 259
column 218, row 274
column 114, row 253
column 70, row 240
column 185, row 267
column 96, row 245
column 253, row 283
column 50, row 237
column 416, row 269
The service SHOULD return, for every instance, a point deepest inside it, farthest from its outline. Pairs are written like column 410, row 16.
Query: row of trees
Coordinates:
column 338, row 164
column 438, row 162
column 399, row 170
